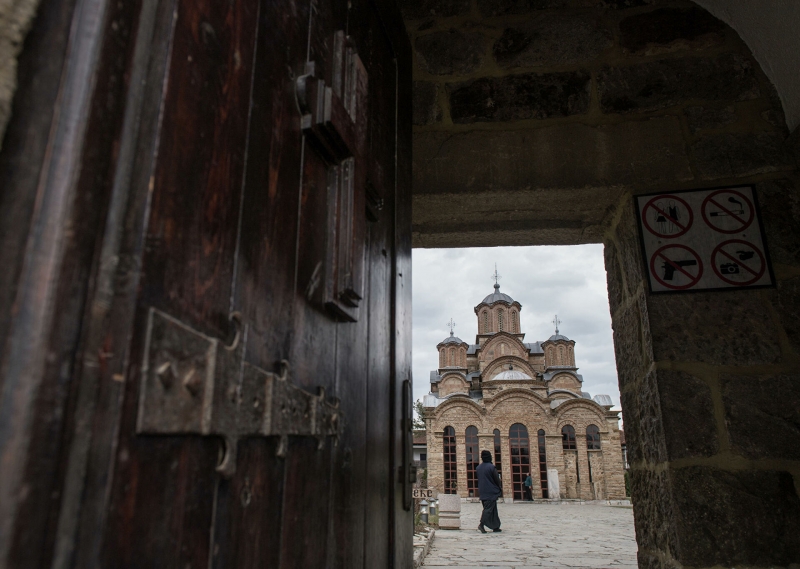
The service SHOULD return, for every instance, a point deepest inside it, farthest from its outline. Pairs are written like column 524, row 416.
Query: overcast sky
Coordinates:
column 568, row 281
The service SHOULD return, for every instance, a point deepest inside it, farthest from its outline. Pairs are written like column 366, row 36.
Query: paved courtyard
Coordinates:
column 540, row 535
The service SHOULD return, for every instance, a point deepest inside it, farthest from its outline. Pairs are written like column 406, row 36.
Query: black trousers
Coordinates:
column 527, row 493
column 489, row 517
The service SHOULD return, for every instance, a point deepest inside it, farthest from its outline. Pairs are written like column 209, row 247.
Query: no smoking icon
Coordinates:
column 738, row 262
column 728, row 211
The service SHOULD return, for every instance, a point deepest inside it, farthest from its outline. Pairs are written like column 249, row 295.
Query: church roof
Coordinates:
column 452, row 340
column 497, row 296
column 512, row 374
column 534, row 348
column 555, row 337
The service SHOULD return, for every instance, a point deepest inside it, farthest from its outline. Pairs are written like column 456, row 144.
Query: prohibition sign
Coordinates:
column 672, row 267
column 661, row 212
column 752, row 270
column 731, row 208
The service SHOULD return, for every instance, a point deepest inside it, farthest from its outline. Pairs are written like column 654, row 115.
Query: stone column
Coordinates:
column 461, row 465
column 508, row 486
column 555, row 459
column 584, row 487
column 710, row 387
column 435, row 459
column 612, row 464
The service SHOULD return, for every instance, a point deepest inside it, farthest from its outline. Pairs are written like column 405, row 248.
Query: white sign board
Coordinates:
column 422, row 493
column 703, row 240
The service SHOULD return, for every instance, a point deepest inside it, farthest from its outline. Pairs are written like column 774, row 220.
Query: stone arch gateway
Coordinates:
column 533, row 139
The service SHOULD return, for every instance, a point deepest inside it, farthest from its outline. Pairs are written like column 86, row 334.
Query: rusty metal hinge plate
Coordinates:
column 195, row 384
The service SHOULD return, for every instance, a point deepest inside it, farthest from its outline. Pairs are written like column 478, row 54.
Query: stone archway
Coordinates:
column 536, row 123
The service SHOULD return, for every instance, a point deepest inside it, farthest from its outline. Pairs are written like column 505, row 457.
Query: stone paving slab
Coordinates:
column 566, row 535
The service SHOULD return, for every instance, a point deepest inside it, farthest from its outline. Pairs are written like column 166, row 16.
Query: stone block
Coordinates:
column 449, row 511
column 701, row 118
column 510, row 7
column 788, row 307
column 418, row 9
column 792, row 147
column 670, row 29
column 687, row 413
column 623, row 4
column 614, row 282
column 763, row 415
column 632, row 343
column 779, row 202
column 520, row 97
column 426, row 108
column 561, row 157
column 728, row 328
column 739, row 155
column 450, row 52
column 668, row 82
column 644, row 431
column 552, row 40
column 653, row 512
column 729, row 519
column 627, row 234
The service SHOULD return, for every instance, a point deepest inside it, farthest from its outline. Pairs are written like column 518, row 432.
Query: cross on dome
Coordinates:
column 452, row 325
column 556, row 321
column 496, row 276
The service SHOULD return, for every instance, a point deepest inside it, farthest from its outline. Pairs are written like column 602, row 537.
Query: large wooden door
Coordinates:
column 249, row 298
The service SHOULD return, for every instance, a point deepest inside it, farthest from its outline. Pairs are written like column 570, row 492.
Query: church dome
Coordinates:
column 497, row 296
column 452, row 340
column 555, row 337
column 512, row 374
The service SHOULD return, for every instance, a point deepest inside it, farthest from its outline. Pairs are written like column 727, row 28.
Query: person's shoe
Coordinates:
column 497, row 530
column 481, row 528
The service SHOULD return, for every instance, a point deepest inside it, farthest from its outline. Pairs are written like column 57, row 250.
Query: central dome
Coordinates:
column 512, row 374
column 497, row 296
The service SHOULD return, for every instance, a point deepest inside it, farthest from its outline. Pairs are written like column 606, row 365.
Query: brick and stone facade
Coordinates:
column 501, row 382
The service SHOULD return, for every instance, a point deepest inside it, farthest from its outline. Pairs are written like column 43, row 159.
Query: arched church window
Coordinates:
column 568, row 438
column 450, row 468
column 514, row 328
column 500, row 325
column 542, row 464
column 441, row 358
column 561, row 360
column 452, row 356
column 498, row 454
column 473, row 459
column 592, row 437
column 520, row 457
column 485, row 322
column 571, row 356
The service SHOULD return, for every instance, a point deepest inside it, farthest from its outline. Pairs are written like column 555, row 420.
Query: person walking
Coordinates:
column 527, row 485
column 489, row 489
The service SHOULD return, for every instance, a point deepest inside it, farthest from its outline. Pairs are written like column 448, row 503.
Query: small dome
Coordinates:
column 512, row 374
column 452, row 340
column 497, row 296
column 555, row 337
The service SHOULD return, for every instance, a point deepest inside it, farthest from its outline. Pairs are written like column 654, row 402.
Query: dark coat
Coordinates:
column 488, row 481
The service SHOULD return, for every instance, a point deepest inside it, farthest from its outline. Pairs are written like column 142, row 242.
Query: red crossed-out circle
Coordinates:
column 661, row 255
column 755, row 274
column 744, row 219
column 650, row 206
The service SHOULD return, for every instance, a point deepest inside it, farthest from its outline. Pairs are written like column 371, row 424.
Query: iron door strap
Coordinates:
column 196, row 384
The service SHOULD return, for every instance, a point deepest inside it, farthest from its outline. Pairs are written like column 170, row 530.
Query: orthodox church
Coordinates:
column 525, row 401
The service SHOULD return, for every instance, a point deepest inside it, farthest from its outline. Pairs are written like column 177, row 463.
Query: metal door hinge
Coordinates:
column 196, row 384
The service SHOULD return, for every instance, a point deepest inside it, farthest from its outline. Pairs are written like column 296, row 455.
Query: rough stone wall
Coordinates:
column 710, row 388
column 532, row 119
column 16, row 17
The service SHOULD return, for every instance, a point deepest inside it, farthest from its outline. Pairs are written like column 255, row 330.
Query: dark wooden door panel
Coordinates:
column 280, row 243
